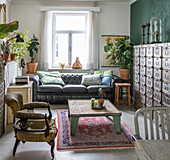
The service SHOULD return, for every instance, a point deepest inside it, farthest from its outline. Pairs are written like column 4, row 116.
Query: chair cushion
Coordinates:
column 73, row 88
column 50, row 77
column 91, row 79
column 50, row 89
column 38, row 136
column 95, row 88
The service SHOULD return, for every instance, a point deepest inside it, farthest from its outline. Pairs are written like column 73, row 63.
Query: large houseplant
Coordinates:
column 120, row 53
column 33, row 47
column 18, row 49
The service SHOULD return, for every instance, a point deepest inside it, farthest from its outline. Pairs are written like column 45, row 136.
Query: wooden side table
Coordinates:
column 117, row 88
column 26, row 90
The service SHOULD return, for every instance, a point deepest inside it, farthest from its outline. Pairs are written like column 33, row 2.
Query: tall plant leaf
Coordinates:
column 6, row 28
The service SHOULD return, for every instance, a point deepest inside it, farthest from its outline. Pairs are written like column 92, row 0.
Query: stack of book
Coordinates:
column 22, row 80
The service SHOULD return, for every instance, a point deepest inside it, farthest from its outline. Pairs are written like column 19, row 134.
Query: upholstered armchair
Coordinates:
column 29, row 126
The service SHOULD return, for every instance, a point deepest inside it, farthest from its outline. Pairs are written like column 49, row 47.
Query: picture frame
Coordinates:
column 106, row 62
column 2, row 13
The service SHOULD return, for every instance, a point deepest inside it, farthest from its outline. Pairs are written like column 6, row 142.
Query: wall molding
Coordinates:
column 132, row 1
column 94, row 9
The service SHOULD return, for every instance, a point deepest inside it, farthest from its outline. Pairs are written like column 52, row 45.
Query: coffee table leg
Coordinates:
column 117, row 123
column 74, row 122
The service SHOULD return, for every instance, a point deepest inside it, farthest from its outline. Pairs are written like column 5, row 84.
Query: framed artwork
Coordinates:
column 2, row 13
column 112, row 39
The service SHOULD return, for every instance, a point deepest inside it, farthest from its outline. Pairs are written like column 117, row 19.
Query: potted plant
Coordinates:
column 33, row 47
column 101, row 94
column 120, row 53
column 18, row 50
column 62, row 65
column 5, row 50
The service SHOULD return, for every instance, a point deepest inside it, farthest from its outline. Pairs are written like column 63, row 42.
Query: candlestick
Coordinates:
column 148, row 25
column 143, row 27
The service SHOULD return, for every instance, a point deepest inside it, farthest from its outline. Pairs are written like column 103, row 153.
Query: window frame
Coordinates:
column 69, row 32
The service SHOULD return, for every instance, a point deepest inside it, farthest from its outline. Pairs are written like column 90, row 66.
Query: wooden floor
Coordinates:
column 41, row 150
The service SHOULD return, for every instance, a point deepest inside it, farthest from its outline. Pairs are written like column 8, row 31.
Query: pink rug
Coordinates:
column 92, row 132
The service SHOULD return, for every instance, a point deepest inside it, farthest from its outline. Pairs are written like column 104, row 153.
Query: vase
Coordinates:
column 124, row 73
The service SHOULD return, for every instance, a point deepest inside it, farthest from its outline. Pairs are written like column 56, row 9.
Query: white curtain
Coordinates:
column 92, row 53
column 46, row 41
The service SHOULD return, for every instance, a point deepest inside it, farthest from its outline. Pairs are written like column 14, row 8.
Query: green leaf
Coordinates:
column 107, row 48
column 6, row 28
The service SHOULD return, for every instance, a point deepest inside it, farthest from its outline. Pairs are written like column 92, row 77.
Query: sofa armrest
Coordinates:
column 35, row 78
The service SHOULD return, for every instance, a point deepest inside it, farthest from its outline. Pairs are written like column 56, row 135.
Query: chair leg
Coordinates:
column 15, row 146
column 52, row 144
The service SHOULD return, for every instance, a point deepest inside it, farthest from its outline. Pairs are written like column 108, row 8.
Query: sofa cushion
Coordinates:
column 50, row 89
column 107, row 80
column 94, row 79
column 74, row 88
column 95, row 88
column 50, row 77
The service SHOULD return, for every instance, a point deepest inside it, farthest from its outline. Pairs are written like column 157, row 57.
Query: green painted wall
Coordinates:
column 141, row 13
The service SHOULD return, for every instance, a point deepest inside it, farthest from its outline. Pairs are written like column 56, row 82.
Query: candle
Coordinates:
column 155, row 26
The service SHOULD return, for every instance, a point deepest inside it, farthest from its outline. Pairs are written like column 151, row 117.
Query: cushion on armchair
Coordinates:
column 50, row 77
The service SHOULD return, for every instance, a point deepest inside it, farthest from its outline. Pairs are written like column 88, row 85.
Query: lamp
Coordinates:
column 19, row 39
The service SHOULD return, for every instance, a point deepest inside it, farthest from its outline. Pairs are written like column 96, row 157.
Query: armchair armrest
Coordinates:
column 23, row 115
column 33, row 105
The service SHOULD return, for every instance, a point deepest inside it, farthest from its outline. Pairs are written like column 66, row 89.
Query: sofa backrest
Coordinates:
column 72, row 78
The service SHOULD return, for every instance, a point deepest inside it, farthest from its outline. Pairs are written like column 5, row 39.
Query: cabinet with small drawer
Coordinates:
column 136, row 51
column 153, row 80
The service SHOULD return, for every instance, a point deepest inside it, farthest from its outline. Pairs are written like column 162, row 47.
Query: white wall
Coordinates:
column 114, row 18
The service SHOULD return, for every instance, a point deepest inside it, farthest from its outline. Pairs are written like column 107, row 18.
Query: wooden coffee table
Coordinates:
column 82, row 108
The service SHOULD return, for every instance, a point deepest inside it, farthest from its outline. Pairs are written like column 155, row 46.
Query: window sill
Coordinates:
column 70, row 70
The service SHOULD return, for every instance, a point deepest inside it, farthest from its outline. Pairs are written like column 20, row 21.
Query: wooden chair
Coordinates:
column 32, row 127
column 156, row 142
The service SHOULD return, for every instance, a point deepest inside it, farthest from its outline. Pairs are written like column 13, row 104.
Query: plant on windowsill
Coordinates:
column 120, row 53
column 62, row 65
column 33, row 47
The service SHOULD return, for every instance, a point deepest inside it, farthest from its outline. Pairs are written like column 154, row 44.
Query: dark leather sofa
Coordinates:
column 57, row 94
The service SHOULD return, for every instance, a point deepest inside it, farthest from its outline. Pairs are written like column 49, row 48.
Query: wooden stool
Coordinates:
column 117, row 100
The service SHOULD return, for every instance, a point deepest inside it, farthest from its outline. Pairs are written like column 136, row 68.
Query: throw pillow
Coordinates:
column 108, row 73
column 50, row 77
column 94, row 79
column 99, row 72
column 107, row 80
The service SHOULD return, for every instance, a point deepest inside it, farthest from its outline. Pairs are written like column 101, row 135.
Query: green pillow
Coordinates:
column 108, row 73
column 50, row 77
column 99, row 72
column 104, row 73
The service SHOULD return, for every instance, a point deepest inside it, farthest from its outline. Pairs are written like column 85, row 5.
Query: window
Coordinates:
column 69, row 38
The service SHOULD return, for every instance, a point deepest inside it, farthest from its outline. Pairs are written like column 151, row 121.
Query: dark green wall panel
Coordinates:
column 141, row 13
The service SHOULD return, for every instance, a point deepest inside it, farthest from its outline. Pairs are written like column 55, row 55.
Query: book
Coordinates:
column 22, row 80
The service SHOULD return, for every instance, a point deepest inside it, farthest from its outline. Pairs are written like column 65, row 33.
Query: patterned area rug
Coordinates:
column 92, row 132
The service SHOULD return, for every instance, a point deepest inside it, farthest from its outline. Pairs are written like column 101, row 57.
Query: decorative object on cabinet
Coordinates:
column 151, row 75
column 120, row 54
column 77, row 64
column 148, row 25
column 33, row 47
column 143, row 33
column 156, row 30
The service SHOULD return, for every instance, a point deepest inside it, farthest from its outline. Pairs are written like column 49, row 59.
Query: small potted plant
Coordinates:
column 62, row 65
column 101, row 94
column 33, row 47
column 5, row 50
column 120, row 53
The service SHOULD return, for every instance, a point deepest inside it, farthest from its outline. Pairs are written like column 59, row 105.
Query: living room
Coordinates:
column 83, row 54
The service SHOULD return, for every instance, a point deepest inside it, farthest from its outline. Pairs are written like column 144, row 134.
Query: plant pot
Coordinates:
column 100, row 102
column 124, row 73
column 62, row 66
column 12, row 56
column 32, row 67
column 1, row 56
column 6, row 57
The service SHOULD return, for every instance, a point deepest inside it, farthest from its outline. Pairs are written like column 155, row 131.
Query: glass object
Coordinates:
column 156, row 30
